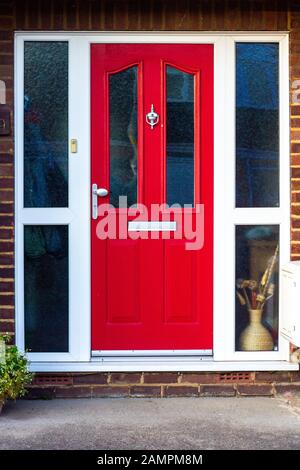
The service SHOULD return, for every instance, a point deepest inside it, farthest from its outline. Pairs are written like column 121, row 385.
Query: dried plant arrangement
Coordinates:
column 254, row 294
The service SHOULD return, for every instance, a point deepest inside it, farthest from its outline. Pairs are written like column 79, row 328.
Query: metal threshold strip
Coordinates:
column 195, row 353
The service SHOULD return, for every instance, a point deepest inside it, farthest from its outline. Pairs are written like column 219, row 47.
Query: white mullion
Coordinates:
column 19, row 178
column 223, row 201
column 79, row 194
column 257, row 216
column 45, row 216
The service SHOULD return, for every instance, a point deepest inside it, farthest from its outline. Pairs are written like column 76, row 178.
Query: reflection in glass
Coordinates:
column 123, row 136
column 46, row 288
column 257, row 253
column 180, row 137
column 257, row 125
column 45, row 124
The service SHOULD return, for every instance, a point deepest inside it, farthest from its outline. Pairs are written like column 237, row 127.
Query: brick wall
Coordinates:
column 202, row 15
column 6, row 178
column 294, row 27
column 165, row 384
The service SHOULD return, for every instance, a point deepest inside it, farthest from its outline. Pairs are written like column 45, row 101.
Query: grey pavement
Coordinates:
column 140, row 423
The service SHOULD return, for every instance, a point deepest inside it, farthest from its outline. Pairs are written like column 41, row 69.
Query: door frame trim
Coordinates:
column 78, row 214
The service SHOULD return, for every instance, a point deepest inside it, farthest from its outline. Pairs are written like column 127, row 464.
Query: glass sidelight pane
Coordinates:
column 257, row 125
column 180, row 137
column 123, row 136
column 46, row 285
column 45, row 124
column 257, row 253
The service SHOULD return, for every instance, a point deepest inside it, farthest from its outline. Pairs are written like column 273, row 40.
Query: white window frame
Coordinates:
column 77, row 216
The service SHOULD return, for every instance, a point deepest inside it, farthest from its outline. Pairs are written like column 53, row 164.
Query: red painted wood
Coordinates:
column 153, row 294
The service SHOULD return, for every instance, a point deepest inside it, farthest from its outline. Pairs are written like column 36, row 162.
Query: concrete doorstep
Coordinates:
column 177, row 423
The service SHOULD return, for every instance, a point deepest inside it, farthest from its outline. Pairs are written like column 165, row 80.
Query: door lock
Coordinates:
column 97, row 192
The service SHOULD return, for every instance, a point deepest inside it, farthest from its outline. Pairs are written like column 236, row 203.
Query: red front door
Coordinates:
column 152, row 142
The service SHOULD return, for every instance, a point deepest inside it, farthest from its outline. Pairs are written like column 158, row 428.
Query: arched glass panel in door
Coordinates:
column 180, row 137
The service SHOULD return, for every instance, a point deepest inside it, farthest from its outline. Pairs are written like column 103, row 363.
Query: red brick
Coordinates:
column 6, row 35
column 102, row 391
column 6, row 221
column 295, row 159
column 293, row 389
column 145, row 391
column 255, row 390
column 295, row 110
column 163, row 377
column 5, row 234
column 295, row 196
column 295, row 122
column 6, row 208
column 6, row 183
column 6, row 22
column 181, row 391
column 6, row 170
column 70, row 15
column 295, row 172
column 6, row 286
column 7, row 48
column 6, row 59
column 40, row 393
column 130, row 378
column 58, row 15
column 45, row 15
column 6, row 246
column 295, row 249
column 84, row 16
column 295, row 376
column 6, row 8
column 295, row 24
column 6, row 143
column 217, row 391
column 73, row 392
column 199, row 378
column 295, row 236
column 6, row 196
column 296, row 210
column 99, row 378
column 295, row 185
column 7, row 299
column 6, row 273
column 6, row 157
column 270, row 377
column 7, row 327
column 295, row 223
column 6, row 259
column 7, row 313
column 6, row 71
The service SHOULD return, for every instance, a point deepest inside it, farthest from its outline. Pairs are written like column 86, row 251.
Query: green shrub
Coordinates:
column 14, row 374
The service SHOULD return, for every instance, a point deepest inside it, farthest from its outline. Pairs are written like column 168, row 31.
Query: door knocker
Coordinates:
column 152, row 118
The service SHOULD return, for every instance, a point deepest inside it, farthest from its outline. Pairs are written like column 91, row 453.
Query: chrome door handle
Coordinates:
column 97, row 192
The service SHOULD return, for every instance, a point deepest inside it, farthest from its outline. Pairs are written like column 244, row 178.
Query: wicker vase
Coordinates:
column 255, row 336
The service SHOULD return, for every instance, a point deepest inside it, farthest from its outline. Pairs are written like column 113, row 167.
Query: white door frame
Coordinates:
column 77, row 216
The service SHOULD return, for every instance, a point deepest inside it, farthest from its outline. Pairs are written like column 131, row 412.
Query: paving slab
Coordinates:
column 173, row 423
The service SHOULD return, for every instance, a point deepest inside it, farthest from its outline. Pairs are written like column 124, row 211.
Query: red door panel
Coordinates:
column 152, row 294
